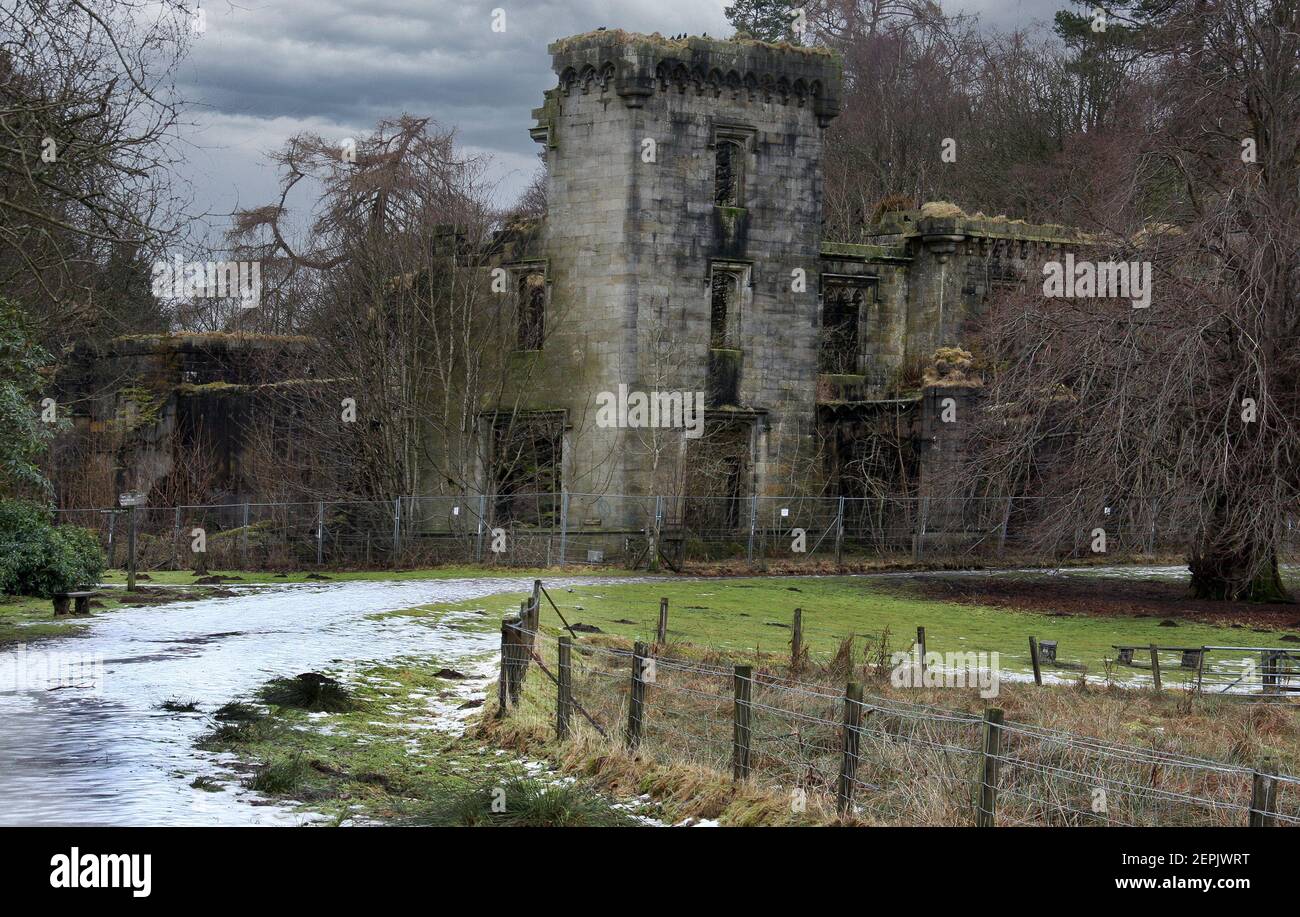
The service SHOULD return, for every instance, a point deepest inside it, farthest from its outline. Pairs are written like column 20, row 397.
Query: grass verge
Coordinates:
column 919, row 757
column 372, row 751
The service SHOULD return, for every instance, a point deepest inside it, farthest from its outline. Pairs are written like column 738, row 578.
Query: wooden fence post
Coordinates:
column 514, row 651
column 636, row 697
column 851, row 738
column 524, row 641
column 503, row 679
column 989, row 767
column 1263, row 796
column 796, row 640
column 1002, row 531
column 661, row 634
column 1155, row 668
column 1033, row 657
column 564, row 690
column 740, row 742
column 1200, row 671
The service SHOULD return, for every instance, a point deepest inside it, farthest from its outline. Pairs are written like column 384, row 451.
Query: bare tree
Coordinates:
column 408, row 386
column 532, row 202
column 938, row 108
column 1187, row 409
column 86, row 107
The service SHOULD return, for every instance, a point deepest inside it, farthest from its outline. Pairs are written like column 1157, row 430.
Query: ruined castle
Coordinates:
column 682, row 250
column 681, row 253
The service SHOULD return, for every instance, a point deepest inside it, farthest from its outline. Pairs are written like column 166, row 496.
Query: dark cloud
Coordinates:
column 262, row 73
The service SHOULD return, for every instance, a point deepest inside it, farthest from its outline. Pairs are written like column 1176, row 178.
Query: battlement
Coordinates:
column 938, row 219
column 637, row 66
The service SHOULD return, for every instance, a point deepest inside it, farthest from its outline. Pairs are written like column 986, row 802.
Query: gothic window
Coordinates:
column 841, row 316
column 728, row 173
column 724, row 313
column 527, row 448
column 531, row 309
column 718, row 470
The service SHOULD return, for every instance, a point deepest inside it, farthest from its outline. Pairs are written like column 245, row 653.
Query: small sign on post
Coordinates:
column 131, row 499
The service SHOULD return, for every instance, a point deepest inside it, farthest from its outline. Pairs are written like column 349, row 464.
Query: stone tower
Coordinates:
column 682, row 252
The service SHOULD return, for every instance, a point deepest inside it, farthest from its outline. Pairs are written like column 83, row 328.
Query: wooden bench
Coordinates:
column 62, row 599
column 1191, row 654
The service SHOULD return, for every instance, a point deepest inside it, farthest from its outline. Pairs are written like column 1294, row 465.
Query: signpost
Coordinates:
column 131, row 499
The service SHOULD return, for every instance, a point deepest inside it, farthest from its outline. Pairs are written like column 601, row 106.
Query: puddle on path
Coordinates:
column 106, row 755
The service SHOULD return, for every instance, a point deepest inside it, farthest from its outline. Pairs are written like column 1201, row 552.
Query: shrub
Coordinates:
column 38, row 558
column 238, row 712
column 280, row 776
column 310, row 691
column 892, row 203
column 523, row 802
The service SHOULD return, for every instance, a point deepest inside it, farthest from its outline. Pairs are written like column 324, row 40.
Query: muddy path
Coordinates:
column 83, row 740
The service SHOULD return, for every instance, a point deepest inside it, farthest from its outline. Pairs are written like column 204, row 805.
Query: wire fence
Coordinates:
column 1267, row 673
column 547, row 529
column 838, row 752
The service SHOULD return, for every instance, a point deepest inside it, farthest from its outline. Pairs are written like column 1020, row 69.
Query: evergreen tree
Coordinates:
column 765, row 20
column 1102, row 44
column 23, row 434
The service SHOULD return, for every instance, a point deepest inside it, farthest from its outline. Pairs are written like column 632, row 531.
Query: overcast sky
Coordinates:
column 264, row 70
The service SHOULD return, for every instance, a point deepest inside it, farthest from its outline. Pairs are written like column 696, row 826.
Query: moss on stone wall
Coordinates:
column 863, row 252
column 138, row 407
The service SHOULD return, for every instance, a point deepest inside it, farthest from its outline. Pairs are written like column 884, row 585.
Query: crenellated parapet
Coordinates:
column 944, row 230
column 637, row 66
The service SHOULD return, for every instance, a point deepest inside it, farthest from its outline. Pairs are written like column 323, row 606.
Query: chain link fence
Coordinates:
column 548, row 529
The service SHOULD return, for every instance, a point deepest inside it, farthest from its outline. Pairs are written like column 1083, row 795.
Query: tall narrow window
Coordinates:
column 527, row 448
column 724, row 314
column 728, row 173
column 718, row 473
column 841, row 313
column 532, row 310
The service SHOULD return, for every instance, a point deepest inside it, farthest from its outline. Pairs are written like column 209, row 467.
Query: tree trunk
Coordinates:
column 1226, row 574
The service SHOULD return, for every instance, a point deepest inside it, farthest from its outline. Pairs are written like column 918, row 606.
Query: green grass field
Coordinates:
column 754, row 614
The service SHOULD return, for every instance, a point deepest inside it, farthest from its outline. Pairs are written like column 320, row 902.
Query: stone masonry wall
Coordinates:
column 632, row 230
